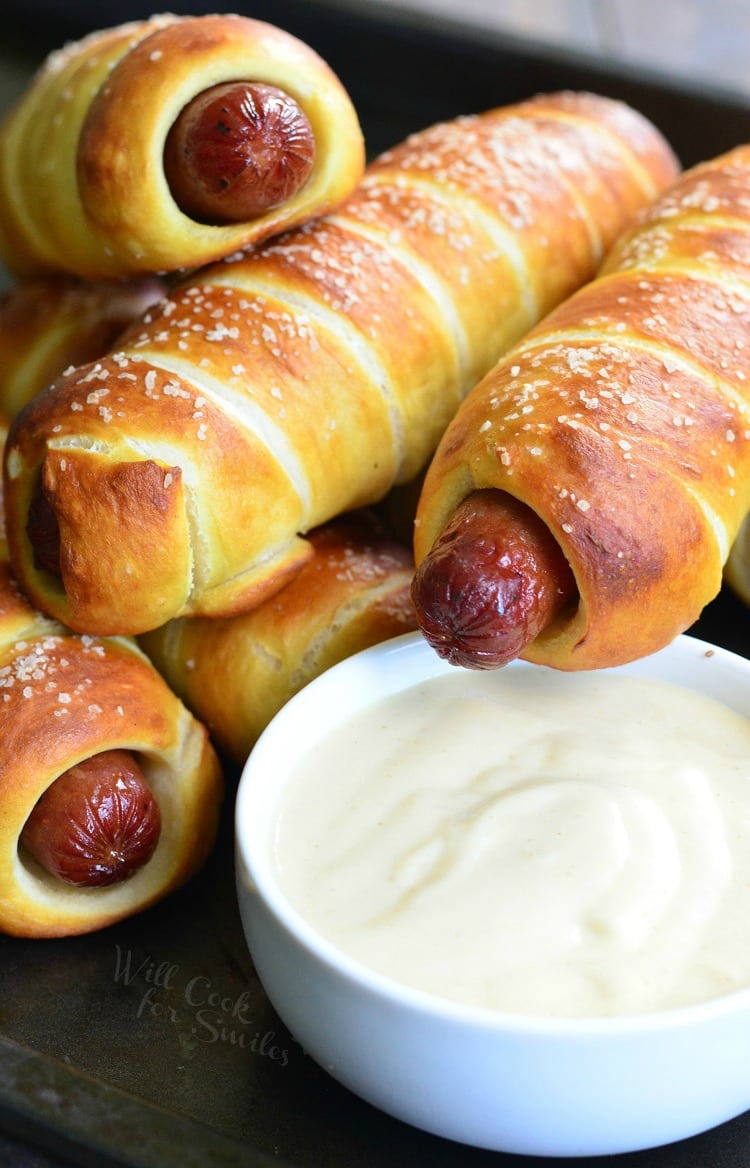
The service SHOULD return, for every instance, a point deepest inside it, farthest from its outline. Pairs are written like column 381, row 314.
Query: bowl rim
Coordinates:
column 259, row 871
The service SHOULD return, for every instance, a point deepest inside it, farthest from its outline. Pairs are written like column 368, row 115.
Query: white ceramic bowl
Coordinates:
column 541, row 1086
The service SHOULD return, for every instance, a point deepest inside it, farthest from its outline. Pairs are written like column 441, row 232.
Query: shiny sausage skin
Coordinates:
column 43, row 532
column 236, row 151
column 491, row 583
column 97, row 824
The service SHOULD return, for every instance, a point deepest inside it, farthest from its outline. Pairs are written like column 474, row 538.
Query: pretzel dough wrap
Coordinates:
column 623, row 421
column 275, row 391
column 82, row 182
column 64, row 699
column 47, row 325
column 236, row 673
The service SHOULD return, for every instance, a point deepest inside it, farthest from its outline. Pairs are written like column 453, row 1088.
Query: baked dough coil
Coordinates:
column 82, row 182
column 48, row 325
column 623, row 421
column 65, row 698
column 274, row 391
column 236, row 673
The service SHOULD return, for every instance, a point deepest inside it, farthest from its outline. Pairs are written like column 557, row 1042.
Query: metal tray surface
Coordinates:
column 152, row 1044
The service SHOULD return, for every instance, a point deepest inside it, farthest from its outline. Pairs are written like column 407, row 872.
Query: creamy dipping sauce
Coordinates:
column 534, row 842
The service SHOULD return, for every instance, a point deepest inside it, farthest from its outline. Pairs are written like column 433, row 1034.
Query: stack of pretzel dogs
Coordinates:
column 272, row 391
column 109, row 789
column 199, row 476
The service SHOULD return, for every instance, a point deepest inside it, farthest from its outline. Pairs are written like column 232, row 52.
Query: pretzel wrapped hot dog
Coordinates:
column 620, row 427
column 236, row 673
column 100, row 160
column 47, row 325
column 109, row 789
column 273, row 392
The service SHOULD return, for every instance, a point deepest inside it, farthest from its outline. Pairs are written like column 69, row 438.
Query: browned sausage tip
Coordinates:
column 97, row 824
column 43, row 532
column 238, row 150
column 491, row 583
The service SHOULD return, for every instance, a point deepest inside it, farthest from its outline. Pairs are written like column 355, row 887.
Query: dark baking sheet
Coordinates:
column 151, row 1044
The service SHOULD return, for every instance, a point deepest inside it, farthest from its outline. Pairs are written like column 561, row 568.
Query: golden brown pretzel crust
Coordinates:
column 64, row 698
column 47, row 325
column 278, row 390
column 235, row 674
column 82, row 185
column 623, row 420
